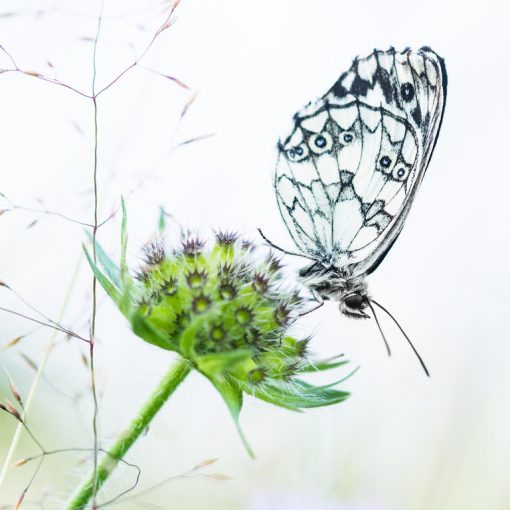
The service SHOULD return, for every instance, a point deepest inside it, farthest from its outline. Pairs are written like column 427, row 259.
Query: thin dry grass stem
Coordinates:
column 151, row 171
column 47, row 325
column 16, row 394
column 93, row 97
column 46, row 453
column 11, row 409
column 195, row 139
column 50, row 322
column 39, row 374
column 39, row 76
column 203, row 464
column 29, row 484
column 38, row 13
column 166, row 76
column 167, row 23
column 191, row 473
column 29, row 361
column 48, row 212
column 26, row 460
column 173, row 147
column 133, row 486
column 13, row 342
column 94, row 251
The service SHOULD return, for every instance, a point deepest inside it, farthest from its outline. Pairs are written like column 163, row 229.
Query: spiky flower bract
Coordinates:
column 226, row 311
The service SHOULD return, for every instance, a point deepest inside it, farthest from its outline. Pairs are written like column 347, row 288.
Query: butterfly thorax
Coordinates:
column 338, row 284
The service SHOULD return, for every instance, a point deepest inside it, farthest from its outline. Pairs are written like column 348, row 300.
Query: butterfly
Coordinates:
column 348, row 172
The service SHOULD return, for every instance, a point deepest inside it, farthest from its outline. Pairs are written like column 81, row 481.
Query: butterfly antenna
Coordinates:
column 380, row 329
column 404, row 333
column 276, row 247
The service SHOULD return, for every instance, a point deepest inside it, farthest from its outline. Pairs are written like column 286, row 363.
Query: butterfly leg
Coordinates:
column 318, row 300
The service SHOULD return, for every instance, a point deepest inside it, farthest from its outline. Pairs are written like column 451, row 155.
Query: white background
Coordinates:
column 402, row 441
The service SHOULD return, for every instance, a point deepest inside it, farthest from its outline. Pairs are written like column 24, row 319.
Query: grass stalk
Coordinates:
column 38, row 376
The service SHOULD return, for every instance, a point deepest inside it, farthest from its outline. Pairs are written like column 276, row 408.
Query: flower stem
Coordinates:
column 177, row 373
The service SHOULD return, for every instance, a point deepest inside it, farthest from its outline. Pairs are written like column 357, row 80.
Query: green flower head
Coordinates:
column 227, row 311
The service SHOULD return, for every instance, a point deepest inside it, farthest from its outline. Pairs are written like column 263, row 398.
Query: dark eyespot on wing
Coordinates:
column 385, row 161
column 401, row 172
column 320, row 141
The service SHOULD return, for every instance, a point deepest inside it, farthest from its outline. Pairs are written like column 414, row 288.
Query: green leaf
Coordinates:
column 351, row 373
column 107, row 285
column 233, row 397
column 123, row 242
column 319, row 366
column 144, row 329
column 218, row 363
column 162, row 220
column 188, row 339
column 111, row 269
column 295, row 394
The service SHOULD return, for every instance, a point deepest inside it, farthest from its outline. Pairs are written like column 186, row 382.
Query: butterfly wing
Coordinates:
column 347, row 174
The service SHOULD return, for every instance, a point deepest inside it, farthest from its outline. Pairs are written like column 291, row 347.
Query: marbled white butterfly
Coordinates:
column 349, row 171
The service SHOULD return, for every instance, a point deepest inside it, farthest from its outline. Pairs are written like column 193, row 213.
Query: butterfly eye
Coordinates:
column 407, row 91
column 346, row 138
column 320, row 143
column 355, row 302
column 400, row 173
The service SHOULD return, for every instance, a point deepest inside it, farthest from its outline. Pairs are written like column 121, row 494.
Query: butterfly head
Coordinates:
column 330, row 282
column 353, row 305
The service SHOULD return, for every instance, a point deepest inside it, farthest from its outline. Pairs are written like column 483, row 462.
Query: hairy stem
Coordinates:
column 177, row 373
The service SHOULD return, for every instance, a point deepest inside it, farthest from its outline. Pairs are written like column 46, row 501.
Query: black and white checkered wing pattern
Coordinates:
column 347, row 174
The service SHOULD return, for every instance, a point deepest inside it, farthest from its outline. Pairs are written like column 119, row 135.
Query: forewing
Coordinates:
column 347, row 174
